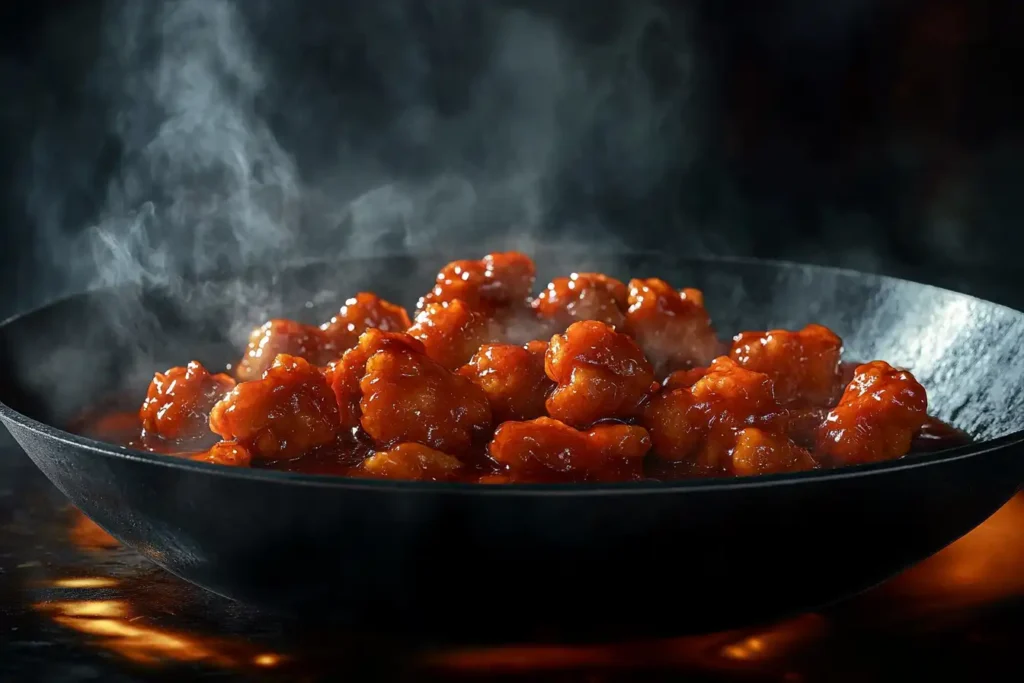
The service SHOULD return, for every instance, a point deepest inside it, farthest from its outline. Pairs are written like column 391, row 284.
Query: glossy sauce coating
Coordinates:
column 804, row 366
column 592, row 381
column 406, row 396
column 283, row 337
column 452, row 332
column 362, row 312
column 876, row 419
column 178, row 403
column 600, row 374
column 513, row 379
column 547, row 449
column 672, row 327
column 583, row 296
column 411, row 461
column 286, row 413
column 493, row 282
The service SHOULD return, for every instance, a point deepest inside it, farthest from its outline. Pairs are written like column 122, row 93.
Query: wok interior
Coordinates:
column 83, row 352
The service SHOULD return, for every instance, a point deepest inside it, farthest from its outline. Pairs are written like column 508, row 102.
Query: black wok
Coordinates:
column 504, row 561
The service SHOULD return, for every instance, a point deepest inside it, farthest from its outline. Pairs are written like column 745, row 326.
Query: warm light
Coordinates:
column 744, row 650
column 86, row 608
column 110, row 620
column 88, row 535
column 775, row 643
column 266, row 659
column 86, row 582
column 983, row 566
column 712, row 652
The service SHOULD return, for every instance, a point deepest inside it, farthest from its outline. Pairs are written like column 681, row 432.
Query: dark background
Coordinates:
column 881, row 135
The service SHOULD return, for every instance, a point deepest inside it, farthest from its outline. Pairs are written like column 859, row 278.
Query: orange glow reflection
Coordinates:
column 85, row 582
column 266, row 660
column 110, row 621
column 984, row 566
column 88, row 535
column 114, row 627
column 721, row 651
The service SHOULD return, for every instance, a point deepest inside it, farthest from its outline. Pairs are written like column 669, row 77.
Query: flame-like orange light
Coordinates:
column 88, row 535
column 985, row 565
column 85, row 582
column 266, row 659
column 112, row 623
column 722, row 651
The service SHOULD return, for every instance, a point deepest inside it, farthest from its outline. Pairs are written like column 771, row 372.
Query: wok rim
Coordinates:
column 646, row 487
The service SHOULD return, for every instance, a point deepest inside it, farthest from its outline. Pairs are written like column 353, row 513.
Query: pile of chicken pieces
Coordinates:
column 591, row 380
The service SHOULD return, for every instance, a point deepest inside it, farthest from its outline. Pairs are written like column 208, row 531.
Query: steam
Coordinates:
column 208, row 186
column 205, row 183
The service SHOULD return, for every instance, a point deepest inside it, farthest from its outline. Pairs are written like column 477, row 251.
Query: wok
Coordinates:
column 521, row 561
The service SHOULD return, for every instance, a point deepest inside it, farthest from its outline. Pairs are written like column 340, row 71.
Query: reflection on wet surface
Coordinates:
column 94, row 603
column 115, row 627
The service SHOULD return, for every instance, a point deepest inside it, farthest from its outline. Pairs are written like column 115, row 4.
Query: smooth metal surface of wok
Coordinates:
column 588, row 561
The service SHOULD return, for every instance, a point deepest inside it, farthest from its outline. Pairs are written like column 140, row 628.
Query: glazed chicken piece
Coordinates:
column 545, row 448
column 288, row 412
column 583, row 296
column 451, row 332
column 677, row 424
column 804, row 366
column 600, row 373
column 345, row 375
column 672, row 327
column 283, row 337
column 387, row 385
column 178, row 403
column 228, row 453
column 683, row 379
column 702, row 424
column 363, row 311
column 411, row 461
column 738, row 398
column 409, row 397
column 876, row 419
column 513, row 378
column 496, row 281
column 758, row 452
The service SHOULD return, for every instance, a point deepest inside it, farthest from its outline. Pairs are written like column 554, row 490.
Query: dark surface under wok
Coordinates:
column 486, row 562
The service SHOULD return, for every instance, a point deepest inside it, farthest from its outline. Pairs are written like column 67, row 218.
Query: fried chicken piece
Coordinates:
column 583, row 296
column 228, row 453
column 876, row 419
column 683, row 379
column 178, row 403
column 288, row 412
column 600, row 373
column 548, row 449
column 495, row 281
column 363, row 311
column 672, row 327
column 759, row 452
column 404, row 396
column 677, row 424
column 452, row 332
column 736, row 397
column 286, row 337
column 345, row 375
column 804, row 365
column 411, row 461
column 513, row 378
column 701, row 424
